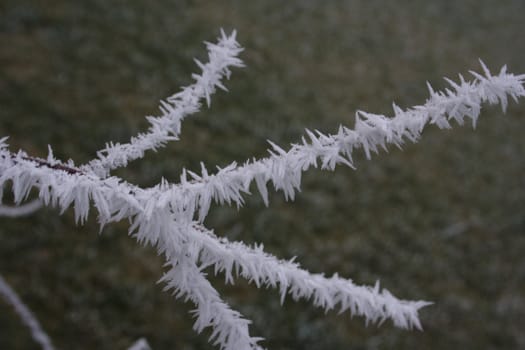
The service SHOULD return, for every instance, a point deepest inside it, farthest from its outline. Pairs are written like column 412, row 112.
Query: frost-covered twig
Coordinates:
column 38, row 334
column 230, row 329
column 165, row 128
column 236, row 259
column 371, row 132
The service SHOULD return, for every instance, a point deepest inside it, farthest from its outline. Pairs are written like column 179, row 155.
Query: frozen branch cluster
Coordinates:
column 170, row 216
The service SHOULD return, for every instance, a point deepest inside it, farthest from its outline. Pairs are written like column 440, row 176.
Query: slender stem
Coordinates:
column 25, row 314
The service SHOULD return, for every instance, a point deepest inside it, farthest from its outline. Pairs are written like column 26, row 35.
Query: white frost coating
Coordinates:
column 26, row 315
column 175, row 108
column 170, row 216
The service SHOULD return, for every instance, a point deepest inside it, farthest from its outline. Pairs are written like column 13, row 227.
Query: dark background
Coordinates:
column 441, row 220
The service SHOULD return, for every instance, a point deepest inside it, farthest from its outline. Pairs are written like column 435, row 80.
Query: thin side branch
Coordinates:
column 167, row 127
column 20, row 210
column 230, row 329
column 27, row 317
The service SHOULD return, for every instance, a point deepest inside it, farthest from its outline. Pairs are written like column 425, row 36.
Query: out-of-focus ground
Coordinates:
column 442, row 220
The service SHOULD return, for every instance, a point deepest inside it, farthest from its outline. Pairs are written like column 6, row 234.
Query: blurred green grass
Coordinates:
column 442, row 220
